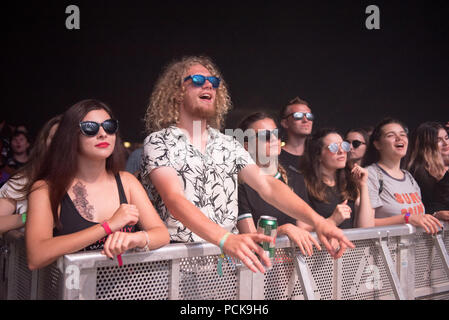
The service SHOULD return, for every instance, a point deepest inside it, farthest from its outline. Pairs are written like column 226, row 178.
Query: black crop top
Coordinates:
column 71, row 221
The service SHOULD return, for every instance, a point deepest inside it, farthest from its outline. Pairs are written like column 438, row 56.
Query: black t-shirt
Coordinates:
column 440, row 201
column 334, row 198
column 287, row 160
column 434, row 193
column 427, row 185
column 250, row 201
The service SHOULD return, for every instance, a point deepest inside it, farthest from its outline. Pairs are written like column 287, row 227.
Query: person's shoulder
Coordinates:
column 40, row 185
column 163, row 133
column 128, row 178
column 372, row 168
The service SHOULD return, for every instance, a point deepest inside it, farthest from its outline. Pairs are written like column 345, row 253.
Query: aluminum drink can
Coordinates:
column 267, row 225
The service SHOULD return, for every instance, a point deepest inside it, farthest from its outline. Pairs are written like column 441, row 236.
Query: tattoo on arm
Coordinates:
column 81, row 203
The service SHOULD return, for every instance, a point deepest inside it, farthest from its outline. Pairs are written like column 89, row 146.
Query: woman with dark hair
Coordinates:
column 394, row 193
column 428, row 163
column 358, row 140
column 336, row 191
column 264, row 146
column 13, row 194
column 81, row 200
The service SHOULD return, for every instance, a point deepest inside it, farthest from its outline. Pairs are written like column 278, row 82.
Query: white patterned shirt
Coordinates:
column 209, row 180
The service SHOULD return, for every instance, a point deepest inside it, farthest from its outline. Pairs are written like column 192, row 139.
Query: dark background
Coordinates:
column 269, row 52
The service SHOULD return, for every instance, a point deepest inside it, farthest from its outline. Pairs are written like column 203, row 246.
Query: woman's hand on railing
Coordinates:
column 425, row 221
column 245, row 247
column 302, row 238
column 119, row 242
column 126, row 214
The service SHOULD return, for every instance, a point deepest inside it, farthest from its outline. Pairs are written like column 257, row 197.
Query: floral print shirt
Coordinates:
column 209, row 180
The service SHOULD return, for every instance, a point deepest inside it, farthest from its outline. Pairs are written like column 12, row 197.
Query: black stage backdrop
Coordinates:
column 268, row 52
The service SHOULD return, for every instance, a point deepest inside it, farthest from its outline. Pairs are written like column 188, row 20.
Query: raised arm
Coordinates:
column 280, row 196
column 241, row 246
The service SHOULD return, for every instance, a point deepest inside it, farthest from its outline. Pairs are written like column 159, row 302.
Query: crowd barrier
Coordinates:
column 393, row 262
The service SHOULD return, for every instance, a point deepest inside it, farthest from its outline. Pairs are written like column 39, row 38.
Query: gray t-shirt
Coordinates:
column 390, row 196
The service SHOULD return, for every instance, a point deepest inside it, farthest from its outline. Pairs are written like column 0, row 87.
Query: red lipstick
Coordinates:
column 102, row 145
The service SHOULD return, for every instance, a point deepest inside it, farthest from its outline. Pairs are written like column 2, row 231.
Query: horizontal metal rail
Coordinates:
column 184, row 271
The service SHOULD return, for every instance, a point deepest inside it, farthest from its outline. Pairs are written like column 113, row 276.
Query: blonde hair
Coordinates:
column 168, row 93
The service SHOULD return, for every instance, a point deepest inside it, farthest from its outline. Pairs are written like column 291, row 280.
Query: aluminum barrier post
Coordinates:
column 173, row 292
column 304, row 276
column 391, row 270
column 406, row 265
column 441, row 249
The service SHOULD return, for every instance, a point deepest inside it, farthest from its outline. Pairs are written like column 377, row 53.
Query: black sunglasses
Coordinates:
column 356, row 143
column 300, row 115
column 266, row 134
column 91, row 128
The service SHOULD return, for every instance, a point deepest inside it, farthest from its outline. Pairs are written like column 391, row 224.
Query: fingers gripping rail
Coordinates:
column 394, row 262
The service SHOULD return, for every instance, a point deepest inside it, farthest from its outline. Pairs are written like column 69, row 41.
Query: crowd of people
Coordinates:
column 191, row 182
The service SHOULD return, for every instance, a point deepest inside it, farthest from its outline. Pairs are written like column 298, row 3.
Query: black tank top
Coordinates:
column 71, row 221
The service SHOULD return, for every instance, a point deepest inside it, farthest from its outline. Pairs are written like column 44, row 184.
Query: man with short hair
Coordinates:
column 191, row 170
column 297, row 121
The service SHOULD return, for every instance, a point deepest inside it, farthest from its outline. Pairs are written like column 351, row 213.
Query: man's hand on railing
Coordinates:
column 326, row 231
column 302, row 238
column 425, row 221
column 244, row 247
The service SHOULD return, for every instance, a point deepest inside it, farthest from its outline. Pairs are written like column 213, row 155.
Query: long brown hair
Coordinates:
column 311, row 164
column 425, row 154
column 61, row 161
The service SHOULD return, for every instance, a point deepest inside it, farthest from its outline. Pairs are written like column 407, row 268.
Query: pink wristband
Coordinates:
column 108, row 230
column 407, row 217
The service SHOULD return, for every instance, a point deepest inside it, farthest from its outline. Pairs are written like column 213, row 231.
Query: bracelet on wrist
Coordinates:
column 220, row 259
column 147, row 243
column 407, row 217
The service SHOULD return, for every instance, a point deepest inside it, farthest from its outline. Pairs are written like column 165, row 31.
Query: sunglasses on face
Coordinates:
column 334, row 147
column 91, row 128
column 300, row 115
column 198, row 80
column 265, row 134
column 356, row 143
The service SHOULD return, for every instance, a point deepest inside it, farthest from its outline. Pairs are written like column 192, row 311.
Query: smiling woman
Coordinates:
column 394, row 193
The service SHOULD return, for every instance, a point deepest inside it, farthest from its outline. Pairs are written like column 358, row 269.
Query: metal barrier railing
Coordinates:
column 393, row 262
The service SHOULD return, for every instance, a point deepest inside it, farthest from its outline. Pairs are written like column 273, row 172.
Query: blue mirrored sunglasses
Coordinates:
column 198, row 80
column 333, row 147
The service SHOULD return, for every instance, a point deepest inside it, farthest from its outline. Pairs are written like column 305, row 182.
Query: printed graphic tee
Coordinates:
column 393, row 196
column 209, row 180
